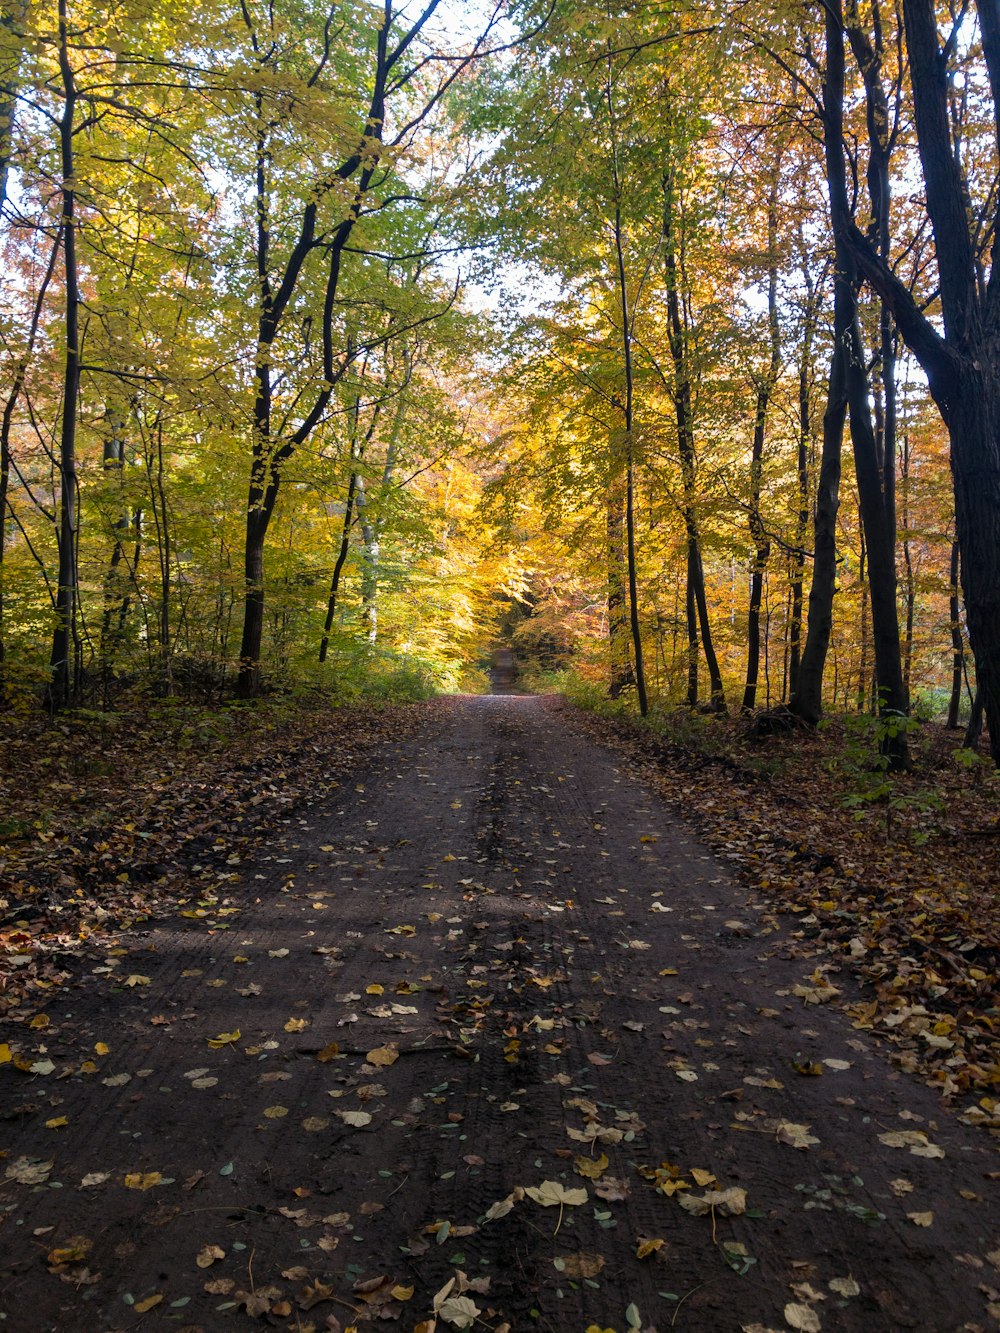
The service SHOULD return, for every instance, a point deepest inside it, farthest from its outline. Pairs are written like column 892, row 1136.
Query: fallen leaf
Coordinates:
column 27, row 1171
column 728, row 1202
column 590, row 1167
column 581, row 1264
column 142, row 1180
column 297, row 1025
column 796, row 1136
column 802, row 1317
column 921, row 1219
column 461, row 1311
column 275, row 1112
column 913, row 1139
column 646, row 1245
column 74, row 1251
column 208, row 1255
column 550, row 1193
column 356, row 1118
column 844, row 1286
column 141, row 1307
column 383, row 1056
column 224, row 1039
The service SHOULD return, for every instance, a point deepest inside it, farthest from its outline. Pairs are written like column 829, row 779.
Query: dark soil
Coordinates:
column 496, row 940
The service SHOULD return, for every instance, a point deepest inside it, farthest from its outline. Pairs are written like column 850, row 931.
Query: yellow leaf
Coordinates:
column 297, row 1025
column 5, row 1054
column 102, row 1048
column 136, row 980
column 589, row 1167
column 224, row 1039
column 141, row 1307
column 328, row 1053
column 383, row 1056
column 57, row 1123
column 647, row 1246
column 275, row 1112
column 702, row 1177
column 140, row 1180
column 375, row 989
column 668, row 972
column 40, row 1021
column 921, row 1219
column 401, row 1293
column 75, row 1251
column 239, row 958
column 208, row 1254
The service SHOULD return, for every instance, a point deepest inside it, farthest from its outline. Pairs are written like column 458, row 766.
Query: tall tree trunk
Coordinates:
column 908, row 577
column 863, row 668
column 807, row 692
column 803, row 447
column 369, row 563
column 765, row 388
column 962, row 366
column 618, row 623
column 691, row 623
column 62, row 684
column 684, row 412
column 268, row 454
column 338, row 568
column 875, row 471
column 629, row 411
column 957, row 646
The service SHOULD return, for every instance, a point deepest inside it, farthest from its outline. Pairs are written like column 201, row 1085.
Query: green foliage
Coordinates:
column 867, row 764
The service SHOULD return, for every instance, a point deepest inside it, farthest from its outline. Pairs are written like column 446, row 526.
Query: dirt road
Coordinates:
column 493, row 964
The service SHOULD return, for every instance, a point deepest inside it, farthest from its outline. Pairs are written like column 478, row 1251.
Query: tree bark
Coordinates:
column 765, row 388
column 957, row 646
column 683, row 409
column 807, row 692
column 338, row 569
column 62, row 661
column 963, row 366
column 803, row 447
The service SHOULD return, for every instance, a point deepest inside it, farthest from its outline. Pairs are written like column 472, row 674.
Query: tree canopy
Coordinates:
column 339, row 339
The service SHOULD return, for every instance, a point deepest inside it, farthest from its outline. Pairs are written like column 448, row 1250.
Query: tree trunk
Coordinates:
column 618, row 624
column 803, row 445
column 633, row 588
column 683, row 409
column 62, row 684
column 957, row 646
column 962, row 366
column 765, row 388
column 807, row 692
column 345, row 541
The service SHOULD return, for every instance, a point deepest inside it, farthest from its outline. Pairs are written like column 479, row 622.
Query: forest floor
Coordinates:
column 445, row 1014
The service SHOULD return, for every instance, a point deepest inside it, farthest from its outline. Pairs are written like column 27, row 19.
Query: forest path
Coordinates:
column 525, row 962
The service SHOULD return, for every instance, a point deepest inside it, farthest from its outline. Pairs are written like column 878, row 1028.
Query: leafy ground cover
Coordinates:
column 109, row 818
column 893, row 878
column 458, row 1027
